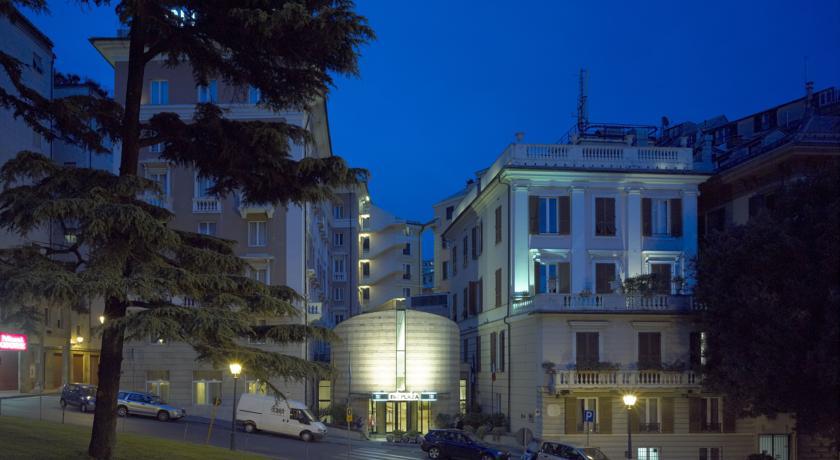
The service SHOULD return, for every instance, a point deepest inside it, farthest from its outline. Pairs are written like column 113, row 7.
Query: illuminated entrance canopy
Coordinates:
column 12, row 341
column 404, row 396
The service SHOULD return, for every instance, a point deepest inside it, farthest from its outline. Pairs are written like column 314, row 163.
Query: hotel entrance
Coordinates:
column 389, row 416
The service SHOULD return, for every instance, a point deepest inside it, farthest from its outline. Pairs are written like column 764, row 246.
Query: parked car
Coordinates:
column 278, row 415
column 78, row 394
column 150, row 405
column 558, row 451
column 458, row 444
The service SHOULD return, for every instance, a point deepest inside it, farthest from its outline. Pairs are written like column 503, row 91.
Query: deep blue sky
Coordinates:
column 448, row 83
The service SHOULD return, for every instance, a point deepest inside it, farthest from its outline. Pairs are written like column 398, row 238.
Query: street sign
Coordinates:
column 349, row 414
column 589, row 416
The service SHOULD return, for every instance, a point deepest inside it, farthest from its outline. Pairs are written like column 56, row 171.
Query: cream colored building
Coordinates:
column 537, row 247
column 283, row 245
column 395, row 368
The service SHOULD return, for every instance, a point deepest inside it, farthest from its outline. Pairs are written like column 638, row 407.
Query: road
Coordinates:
column 196, row 431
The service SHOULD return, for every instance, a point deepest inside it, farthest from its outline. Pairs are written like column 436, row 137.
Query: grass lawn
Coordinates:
column 25, row 438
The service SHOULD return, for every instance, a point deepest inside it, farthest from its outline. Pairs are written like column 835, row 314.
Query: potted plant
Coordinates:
column 551, row 371
column 679, row 284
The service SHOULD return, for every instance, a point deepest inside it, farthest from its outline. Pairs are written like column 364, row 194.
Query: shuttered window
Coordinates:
column 498, row 287
column 605, row 216
column 502, row 351
column 564, row 215
column 478, row 353
column 553, row 278
column 586, row 349
column 498, row 225
column 604, row 275
column 650, row 351
column 492, row 351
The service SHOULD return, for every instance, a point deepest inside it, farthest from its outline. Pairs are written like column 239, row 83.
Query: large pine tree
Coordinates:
column 125, row 250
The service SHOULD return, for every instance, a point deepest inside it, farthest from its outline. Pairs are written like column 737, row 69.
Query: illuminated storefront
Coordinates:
column 10, row 347
column 396, row 369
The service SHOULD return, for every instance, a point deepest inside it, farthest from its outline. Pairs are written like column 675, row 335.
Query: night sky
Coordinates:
column 448, row 83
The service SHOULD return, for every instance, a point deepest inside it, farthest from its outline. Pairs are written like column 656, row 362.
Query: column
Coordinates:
column 634, row 232
column 689, row 228
column 579, row 265
column 520, row 239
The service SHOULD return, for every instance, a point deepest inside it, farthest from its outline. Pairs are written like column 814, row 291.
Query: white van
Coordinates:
column 278, row 415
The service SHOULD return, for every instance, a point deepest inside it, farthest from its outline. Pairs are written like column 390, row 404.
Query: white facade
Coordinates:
column 536, row 252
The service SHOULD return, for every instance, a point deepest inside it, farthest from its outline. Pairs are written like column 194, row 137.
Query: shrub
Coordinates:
column 443, row 420
column 481, row 431
column 337, row 412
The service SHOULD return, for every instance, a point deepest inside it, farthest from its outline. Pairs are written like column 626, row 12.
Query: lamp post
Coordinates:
column 235, row 369
column 629, row 401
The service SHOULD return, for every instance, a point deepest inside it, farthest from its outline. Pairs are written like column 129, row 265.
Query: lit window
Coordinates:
column 548, row 215
column 338, row 212
column 157, row 383
column 207, row 228
column 208, row 389
column 647, row 453
column 208, row 93
column 257, row 387
column 203, row 186
column 338, row 239
column 338, row 294
column 254, row 95
column 159, row 94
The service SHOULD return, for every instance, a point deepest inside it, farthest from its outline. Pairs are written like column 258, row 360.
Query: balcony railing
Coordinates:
column 339, row 276
column 713, row 427
column 625, row 378
column 600, row 156
column 207, row 205
column 604, row 303
column 649, row 427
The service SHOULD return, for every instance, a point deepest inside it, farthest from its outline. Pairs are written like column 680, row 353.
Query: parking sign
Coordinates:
column 589, row 416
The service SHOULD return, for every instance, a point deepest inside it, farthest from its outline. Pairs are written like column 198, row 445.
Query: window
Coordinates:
column 605, row 216
column 254, row 95
column 498, row 287
column 338, row 294
column 257, row 233
column 493, row 352
column 444, row 270
column 586, row 350
column 324, row 397
column 338, row 239
column 498, row 225
column 207, row 228
column 775, row 445
column 161, row 179
column 338, row 211
column 711, row 414
column 407, row 249
column 553, row 278
column 547, row 212
column 339, row 269
column 259, row 274
column 697, row 349
column 661, row 277
column 157, row 383
column 406, row 293
column 465, row 313
column 406, row 271
column 648, row 453
column 650, row 350
column 365, row 294
column 257, row 387
column 159, row 92
column 207, row 387
column 365, row 269
column 649, row 415
column 37, row 63
column 203, row 186
column 604, row 277
column 338, row 317
column 365, row 244
column 713, row 453
column 462, row 396
column 209, row 93
column 407, row 231
column 502, row 351
column 157, row 148
column 585, row 404
column 454, row 257
column 661, row 217
column 449, row 211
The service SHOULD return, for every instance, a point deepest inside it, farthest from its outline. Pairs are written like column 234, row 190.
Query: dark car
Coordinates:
column 458, row 444
column 78, row 394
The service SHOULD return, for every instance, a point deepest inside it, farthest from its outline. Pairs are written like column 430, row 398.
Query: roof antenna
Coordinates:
column 582, row 108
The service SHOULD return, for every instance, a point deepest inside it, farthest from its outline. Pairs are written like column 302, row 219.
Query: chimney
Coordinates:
column 520, row 136
column 706, row 150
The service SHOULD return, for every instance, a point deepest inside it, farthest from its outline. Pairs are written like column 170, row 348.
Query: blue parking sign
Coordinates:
column 589, row 416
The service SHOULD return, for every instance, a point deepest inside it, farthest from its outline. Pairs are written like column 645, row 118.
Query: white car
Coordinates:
column 278, row 415
column 558, row 451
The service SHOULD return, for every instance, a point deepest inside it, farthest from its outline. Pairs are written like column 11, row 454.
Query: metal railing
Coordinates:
column 601, row 303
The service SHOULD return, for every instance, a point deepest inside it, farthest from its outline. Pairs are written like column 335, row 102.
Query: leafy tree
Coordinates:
column 125, row 250
column 772, row 294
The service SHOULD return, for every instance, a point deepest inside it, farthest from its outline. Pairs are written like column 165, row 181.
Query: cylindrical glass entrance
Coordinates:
column 389, row 416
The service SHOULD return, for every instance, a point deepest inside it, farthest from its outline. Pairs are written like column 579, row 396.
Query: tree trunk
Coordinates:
column 104, row 436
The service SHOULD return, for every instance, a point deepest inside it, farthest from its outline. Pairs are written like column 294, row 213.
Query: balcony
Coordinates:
column 313, row 311
column 207, row 205
column 605, row 303
column 342, row 222
column 567, row 379
column 605, row 156
column 339, row 276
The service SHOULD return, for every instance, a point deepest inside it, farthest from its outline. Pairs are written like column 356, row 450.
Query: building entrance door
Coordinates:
column 390, row 416
column 8, row 370
column 78, row 369
column 54, row 368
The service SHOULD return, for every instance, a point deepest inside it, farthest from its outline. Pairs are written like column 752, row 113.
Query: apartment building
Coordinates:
column 283, row 245
column 536, row 252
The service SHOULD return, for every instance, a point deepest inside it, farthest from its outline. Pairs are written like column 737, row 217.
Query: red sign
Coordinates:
column 15, row 342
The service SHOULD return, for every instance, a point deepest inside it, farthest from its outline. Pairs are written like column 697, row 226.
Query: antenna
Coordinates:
column 582, row 109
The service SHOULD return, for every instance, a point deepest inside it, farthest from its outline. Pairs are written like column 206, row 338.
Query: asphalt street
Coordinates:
column 196, row 431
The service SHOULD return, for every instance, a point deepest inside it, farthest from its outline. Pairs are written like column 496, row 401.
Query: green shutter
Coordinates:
column 676, row 217
column 571, row 415
column 647, row 217
column 533, row 214
column 605, row 415
column 667, row 415
column 564, row 215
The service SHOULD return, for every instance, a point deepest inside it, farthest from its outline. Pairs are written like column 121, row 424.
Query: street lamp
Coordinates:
column 235, row 369
column 629, row 401
column 101, row 319
column 80, row 339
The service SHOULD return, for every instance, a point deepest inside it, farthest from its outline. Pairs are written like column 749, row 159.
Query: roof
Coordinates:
column 16, row 17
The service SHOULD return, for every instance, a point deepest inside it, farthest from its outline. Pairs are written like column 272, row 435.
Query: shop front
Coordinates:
column 395, row 371
column 11, row 346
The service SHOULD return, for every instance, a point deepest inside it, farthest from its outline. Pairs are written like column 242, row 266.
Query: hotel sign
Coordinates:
column 403, row 396
column 16, row 342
